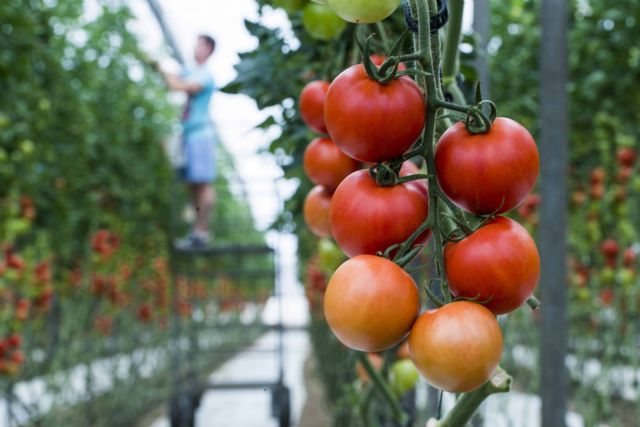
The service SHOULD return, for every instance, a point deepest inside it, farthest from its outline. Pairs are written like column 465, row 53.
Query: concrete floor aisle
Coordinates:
column 252, row 408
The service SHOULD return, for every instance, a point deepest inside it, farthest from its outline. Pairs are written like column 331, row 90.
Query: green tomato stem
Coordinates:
column 365, row 414
column 533, row 302
column 468, row 403
column 383, row 36
column 384, row 387
column 450, row 61
column 429, row 84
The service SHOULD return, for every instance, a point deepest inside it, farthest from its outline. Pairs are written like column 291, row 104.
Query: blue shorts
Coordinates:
column 199, row 156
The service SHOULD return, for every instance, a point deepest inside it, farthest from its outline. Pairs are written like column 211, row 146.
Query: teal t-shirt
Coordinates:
column 196, row 113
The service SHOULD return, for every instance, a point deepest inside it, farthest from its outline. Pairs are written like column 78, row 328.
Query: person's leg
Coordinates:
column 203, row 197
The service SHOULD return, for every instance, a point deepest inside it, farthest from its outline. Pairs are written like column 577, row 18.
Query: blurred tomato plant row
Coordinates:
column 604, row 285
column 85, row 207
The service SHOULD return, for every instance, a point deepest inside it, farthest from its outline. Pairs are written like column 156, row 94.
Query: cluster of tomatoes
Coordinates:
column 111, row 282
column 38, row 295
column 371, row 303
column 105, row 243
column 11, row 355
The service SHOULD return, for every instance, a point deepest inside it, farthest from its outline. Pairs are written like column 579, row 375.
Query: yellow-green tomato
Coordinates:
column 364, row 11
column 321, row 22
column 607, row 275
column 330, row 255
column 290, row 6
column 403, row 376
column 626, row 276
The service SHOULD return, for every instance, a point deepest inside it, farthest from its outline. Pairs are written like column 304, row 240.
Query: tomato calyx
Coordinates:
column 388, row 174
column 382, row 74
column 389, row 69
column 476, row 121
column 385, row 174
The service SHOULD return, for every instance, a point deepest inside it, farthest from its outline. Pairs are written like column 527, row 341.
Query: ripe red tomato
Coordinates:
column 316, row 211
column 14, row 340
column 624, row 174
column 370, row 303
column 626, row 156
column 609, row 248
column 326, row 165
column 144, row 312
column 487, row 173
column 16, row 262
column 311, row 104
column 607, row 296
column 366, row 218
column 18, row 357
column 499, row 264
column 629, row 257
column 456, row 347
column 597, row 176
column 372, row 122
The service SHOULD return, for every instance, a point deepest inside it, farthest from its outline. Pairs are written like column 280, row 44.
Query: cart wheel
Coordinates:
column 182, row 410
column 281, row 405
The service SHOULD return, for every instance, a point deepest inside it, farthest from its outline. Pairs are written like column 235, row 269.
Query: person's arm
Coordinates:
column 177, row 83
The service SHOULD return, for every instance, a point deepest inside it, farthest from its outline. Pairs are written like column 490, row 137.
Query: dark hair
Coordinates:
column 209, row 41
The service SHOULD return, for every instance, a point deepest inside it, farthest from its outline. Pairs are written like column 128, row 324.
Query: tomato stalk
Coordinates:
column 365, row 403
column 383, row 35
column 533, row 302
column 450, row 61
column 429, row 50
column 468, row 403
column 424, row 47
column 384, row 387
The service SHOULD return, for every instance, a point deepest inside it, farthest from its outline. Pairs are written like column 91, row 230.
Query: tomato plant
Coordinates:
column 505, row 160
column 370, row 303
column 498, row 265
column 456, row 347
column 366, row 218
column 363, row 11
column 316, row 211
column 370, row 121
column 326, row 165
column 383, row 112
column 311, row 104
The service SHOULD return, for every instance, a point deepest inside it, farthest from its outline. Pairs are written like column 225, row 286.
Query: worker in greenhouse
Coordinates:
column 198, row 140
